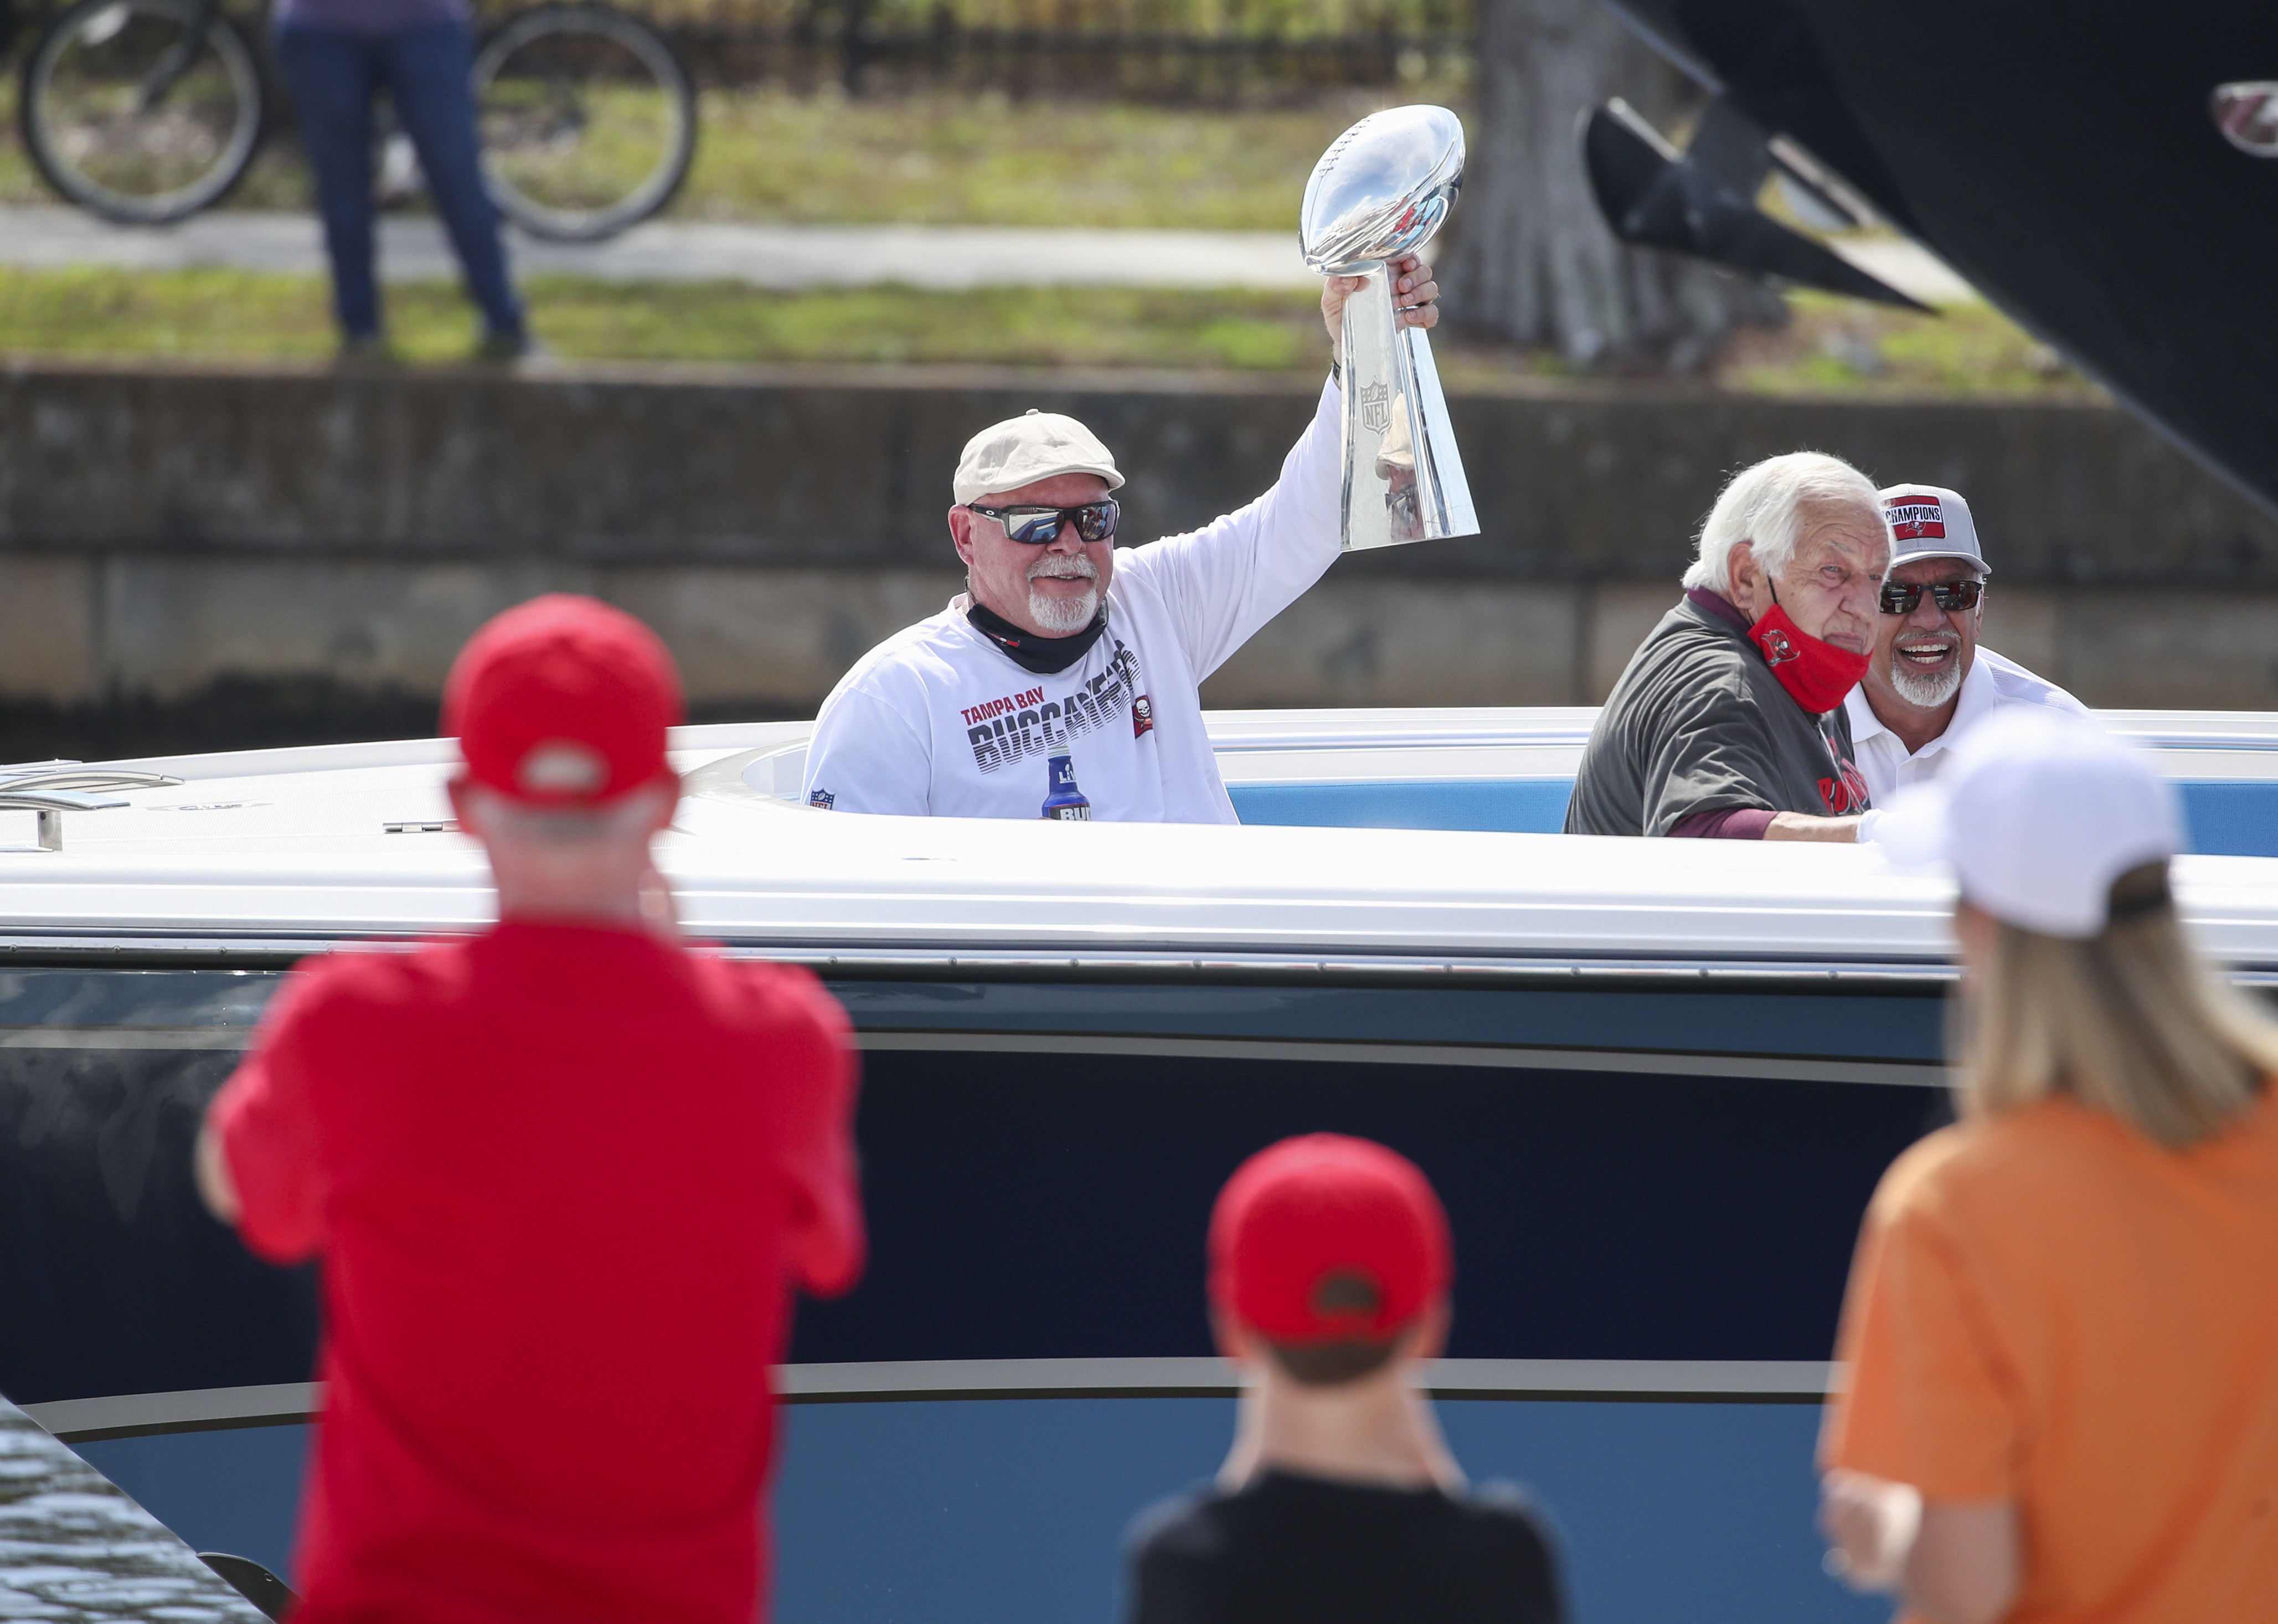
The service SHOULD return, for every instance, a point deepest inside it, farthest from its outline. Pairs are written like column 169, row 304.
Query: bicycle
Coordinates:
column 145, row 111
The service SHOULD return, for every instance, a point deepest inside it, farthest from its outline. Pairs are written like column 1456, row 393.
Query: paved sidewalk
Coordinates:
column 784, row 257
column 412, row 249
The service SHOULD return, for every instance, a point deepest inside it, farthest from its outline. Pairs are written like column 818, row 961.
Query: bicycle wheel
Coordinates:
column 588, row 120
column 141, row 110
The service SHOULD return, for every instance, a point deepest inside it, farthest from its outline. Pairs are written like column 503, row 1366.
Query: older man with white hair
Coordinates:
column 1928, row 681
column 1064, row 682
column 1728, row 721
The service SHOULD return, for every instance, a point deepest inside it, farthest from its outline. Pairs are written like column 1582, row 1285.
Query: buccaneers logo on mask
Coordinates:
column 1815, row 674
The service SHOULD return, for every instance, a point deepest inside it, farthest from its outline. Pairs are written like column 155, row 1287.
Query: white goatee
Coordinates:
column 1927, row 689
column 1063, row 616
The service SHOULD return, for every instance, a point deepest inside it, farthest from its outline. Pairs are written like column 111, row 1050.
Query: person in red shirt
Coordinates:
column 561, row 1178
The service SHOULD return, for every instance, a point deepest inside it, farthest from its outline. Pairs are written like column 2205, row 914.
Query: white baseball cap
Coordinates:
column 2039, row 811
column 1022, row 450
column 1929, row 521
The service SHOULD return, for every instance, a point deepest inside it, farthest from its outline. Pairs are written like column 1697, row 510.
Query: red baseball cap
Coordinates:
column 562, row 701
column 1326, row 1237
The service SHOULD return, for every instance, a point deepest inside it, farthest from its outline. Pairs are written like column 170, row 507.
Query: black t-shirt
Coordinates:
column 1698, row 723
column 1293, row 1550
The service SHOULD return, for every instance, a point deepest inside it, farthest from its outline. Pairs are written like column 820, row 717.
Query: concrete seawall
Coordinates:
column 246, row 555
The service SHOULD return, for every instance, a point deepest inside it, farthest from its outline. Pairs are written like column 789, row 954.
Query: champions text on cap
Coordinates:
column 1929, row 521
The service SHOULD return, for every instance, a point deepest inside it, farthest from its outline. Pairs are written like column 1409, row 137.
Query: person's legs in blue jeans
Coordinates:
column 428, row 69
column 333, row 74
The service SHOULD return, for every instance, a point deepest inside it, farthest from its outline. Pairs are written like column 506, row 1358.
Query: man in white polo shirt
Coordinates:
column 1064, row 682
column 1927, row 681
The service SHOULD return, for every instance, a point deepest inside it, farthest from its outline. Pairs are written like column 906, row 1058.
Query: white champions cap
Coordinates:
column 1929, row 521
column 1022, row 450
column 2038, row 812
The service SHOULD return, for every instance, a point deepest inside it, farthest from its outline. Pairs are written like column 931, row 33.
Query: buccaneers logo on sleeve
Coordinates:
column 1143, row 716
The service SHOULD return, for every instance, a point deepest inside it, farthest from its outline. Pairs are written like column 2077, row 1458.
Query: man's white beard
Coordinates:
column 1927, row 689
column 1062, row 616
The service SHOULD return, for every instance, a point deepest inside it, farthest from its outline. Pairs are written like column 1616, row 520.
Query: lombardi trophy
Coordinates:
column 1380, row 191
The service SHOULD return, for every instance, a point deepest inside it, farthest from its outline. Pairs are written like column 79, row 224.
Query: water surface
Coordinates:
column 74, row 1549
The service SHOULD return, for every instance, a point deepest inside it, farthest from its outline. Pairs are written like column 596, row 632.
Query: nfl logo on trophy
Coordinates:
column 1376, row 405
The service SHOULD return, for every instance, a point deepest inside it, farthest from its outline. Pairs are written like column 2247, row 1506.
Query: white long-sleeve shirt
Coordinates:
column 1991, row 682
column 939, row 720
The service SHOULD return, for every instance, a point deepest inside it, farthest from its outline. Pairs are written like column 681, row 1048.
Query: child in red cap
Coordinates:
column 1329, row 1270
column 561, row 1178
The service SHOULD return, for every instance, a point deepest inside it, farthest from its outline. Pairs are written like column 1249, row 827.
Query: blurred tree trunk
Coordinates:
column 1529, row 262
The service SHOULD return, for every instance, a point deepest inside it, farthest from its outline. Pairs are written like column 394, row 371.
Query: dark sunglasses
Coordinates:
column 1900, row 598
column 1037, row 526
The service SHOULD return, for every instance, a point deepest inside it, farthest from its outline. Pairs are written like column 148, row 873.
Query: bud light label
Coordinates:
column 1062, row 800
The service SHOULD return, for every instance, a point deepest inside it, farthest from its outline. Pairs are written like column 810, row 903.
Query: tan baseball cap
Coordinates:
column 1022, row 450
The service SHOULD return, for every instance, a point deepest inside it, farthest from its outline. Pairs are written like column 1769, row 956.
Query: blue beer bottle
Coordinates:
column 1062, row 799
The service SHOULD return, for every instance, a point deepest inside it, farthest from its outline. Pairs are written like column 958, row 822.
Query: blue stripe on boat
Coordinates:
column 2225, row 818
column 1508, row 805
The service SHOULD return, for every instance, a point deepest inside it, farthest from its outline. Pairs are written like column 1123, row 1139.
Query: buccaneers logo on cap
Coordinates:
column 1777, row 649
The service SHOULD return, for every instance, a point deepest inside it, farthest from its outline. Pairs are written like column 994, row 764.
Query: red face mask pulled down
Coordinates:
column 1817, row 674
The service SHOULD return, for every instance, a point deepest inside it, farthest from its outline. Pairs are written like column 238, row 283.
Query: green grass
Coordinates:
column 1053, row 326
column 217, row 315
column 1830, row 348
column 1835, row 346
column 986, row 159
column 983, row 159
column 208, row 313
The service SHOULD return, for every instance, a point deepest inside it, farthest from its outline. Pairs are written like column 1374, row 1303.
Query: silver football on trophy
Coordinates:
column 1381, row 190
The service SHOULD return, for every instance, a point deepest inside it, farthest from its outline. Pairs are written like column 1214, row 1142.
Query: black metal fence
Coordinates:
column 1040, row 61
column 1154, row 49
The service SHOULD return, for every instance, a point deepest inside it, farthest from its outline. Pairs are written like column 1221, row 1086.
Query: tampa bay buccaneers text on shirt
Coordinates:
column 1012, row 728
column 1845, row 794
column 940, row 721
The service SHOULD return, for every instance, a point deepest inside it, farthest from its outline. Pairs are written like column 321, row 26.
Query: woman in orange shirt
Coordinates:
column 2060, row 1339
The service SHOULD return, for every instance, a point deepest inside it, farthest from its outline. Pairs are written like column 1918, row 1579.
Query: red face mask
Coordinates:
column 1817, row 674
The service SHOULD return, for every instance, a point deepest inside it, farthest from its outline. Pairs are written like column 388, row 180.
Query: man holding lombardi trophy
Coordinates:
column 1065, row 680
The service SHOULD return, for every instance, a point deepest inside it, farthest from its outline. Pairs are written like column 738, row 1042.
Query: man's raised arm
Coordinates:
column 1226, row 579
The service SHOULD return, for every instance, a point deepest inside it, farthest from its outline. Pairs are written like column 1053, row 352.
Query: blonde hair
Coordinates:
column 1764, row 504
column 2129, row 1021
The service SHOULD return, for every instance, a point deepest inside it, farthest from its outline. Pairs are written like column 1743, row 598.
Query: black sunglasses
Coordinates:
column 1037, row 526
column 1900, row 598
